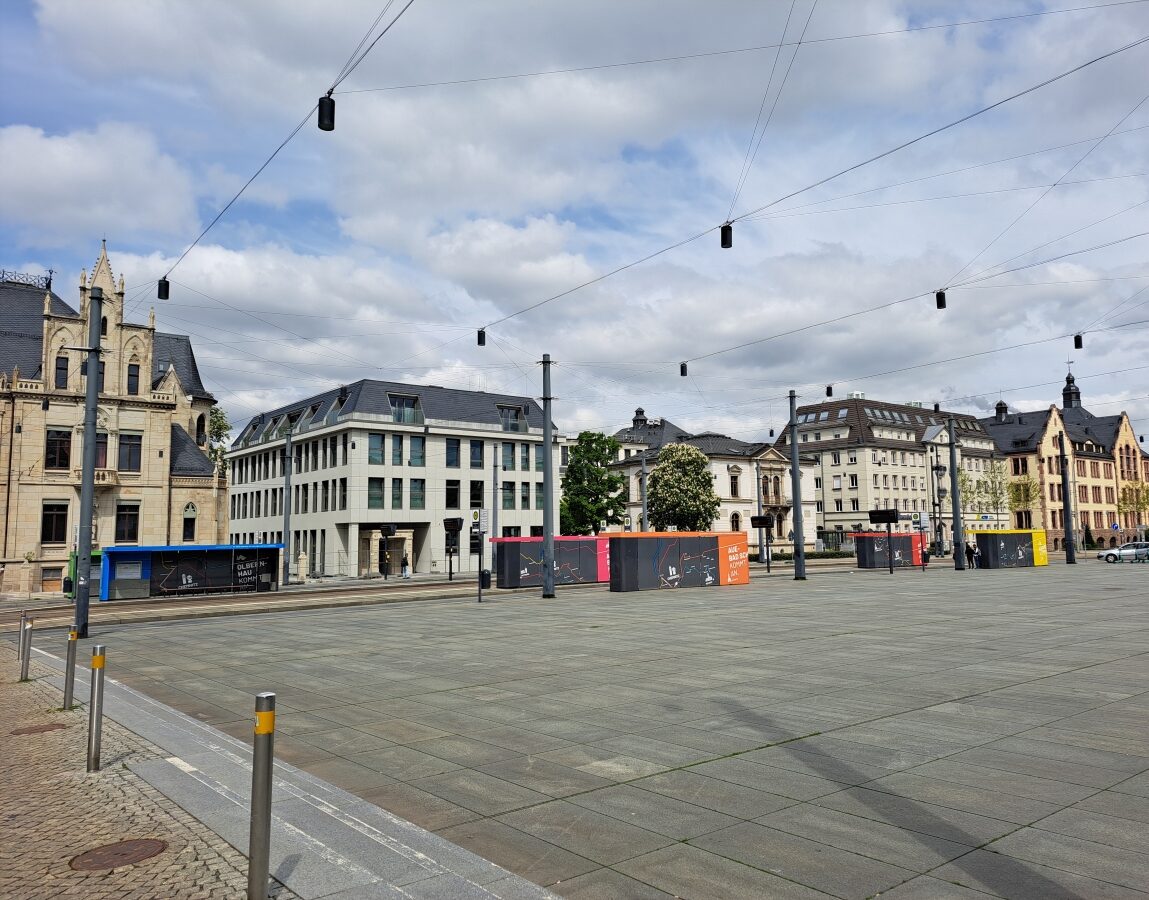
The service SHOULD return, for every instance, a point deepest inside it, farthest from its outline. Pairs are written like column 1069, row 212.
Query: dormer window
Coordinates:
column 405, row 410
column 512, row 418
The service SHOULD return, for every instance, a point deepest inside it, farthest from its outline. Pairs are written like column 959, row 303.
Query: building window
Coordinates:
column 564, row 455
column 375, row 449
column 476, row 454
column 734, row 490
column 837, row 506
column 396, row 493
column 418, row 493
column 508, row 495
column 525, row 495
column 61, row 372
column 133, row 379
column 375, row 493
column 853, row 481
column 476, row 499
column 818, row 482
column 406, row 410
column 508, row 457
column 512, row 418
column 127, row 523
column 190, row 514
column 735, row 522
column 837, row 482
column 1020, row 466
column 58, row 449
column 852, row 459
column 854, row 505
column 836, row 458
column 326, row 496
column 525, row 457
column 54, row 523
column 539, row 457
column 343, row 493
column 396, row 449
column 453, row 454
column 418, row 451
column 453, row 494
column 130, row 452
column 540, row 495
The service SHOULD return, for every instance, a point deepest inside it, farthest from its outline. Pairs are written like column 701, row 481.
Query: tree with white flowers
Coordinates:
column 681, row 490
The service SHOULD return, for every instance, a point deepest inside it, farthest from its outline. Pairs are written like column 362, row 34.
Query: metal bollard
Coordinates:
column 20, row 635
column 96, row 708
column 70, row 669
column 262, row 758
column 26, row 648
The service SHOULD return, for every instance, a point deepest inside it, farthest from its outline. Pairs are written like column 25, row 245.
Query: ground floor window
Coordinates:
column 127, row 523
column 54, row 523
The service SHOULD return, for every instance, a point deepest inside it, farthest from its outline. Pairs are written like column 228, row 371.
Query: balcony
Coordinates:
column 104, row 478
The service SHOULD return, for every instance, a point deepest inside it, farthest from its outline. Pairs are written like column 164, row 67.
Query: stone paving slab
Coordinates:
column 924, row 735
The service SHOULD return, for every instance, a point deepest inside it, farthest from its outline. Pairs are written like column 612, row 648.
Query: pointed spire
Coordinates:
column 152, row 318
column 83, row 278
column 47, row 303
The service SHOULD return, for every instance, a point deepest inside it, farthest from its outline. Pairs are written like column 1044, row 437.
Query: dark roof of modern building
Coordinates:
column 187, row 457
column 857, row 417
column 176, row 350
column 22, row 325
column 369, row 397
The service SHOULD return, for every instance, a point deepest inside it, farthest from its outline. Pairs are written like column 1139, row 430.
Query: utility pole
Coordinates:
column 955, row 495
column 761, row 538
column 287, row 462
column 796, row 490
column 494, row 492
column 548, row 486
column 88, row 470
column 1067, row 496
column 645, row 521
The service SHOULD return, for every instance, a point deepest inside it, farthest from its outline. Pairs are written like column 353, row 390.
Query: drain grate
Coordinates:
column 122, row 853
column 39, row 729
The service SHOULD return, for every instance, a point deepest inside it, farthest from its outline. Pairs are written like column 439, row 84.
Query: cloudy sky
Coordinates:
column 455, row 194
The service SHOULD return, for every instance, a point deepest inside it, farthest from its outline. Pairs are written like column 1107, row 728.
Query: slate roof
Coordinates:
column 1021, row 432
column 654, row 433
column 709, row 442
column 1017, row 432
column 22, row 326
column 176, row 350
column 186, row 457
column 369, row 397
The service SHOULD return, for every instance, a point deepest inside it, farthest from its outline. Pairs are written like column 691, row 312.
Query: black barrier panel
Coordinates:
column 520, row 563
column 874, row 552
column 661, row 563
column 211, row 571
column 1005, row 551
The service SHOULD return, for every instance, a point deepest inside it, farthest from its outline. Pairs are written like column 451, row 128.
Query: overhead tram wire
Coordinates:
column 347, row 70
column 796, row 210
column 366, row 37
column 748, row 159
column 966, row 118
column 956, row 122
column 887, row 305
column 1045, row 193
column 479, row 79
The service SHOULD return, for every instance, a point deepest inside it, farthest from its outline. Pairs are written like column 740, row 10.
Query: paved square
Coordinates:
column 937, row 734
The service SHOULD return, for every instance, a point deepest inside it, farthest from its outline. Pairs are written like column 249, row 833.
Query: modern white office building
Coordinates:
column 375, row 454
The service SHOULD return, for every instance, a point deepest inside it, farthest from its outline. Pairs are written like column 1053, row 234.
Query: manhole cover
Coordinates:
column 112, row 856
column 39, row 729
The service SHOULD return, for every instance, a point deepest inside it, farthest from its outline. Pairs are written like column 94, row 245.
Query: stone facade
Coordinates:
column 154, row 484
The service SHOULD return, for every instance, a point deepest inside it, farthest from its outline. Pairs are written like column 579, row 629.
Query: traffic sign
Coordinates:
column 480, row 520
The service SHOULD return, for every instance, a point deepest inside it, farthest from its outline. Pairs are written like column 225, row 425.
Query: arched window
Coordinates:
column 190, row 514
column 201, row 430
column 735, row 522
column 104, row 326
column 779, row 529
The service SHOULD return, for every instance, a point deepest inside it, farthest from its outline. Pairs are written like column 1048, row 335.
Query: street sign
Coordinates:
column 882, row 516
column 453, row 525
column 761, row 521
column 1115, row 527
column 480, row 520
column 910, row 517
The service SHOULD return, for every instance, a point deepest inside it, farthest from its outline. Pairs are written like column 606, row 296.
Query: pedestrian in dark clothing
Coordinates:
column 969, row 556
column 404, row 563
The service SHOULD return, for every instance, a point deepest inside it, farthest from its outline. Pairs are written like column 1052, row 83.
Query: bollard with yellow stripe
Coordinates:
column 262, row 760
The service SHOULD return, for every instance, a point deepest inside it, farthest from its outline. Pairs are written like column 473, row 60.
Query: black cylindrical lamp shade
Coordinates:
column 326, row 113
column 163, row 288
column 727, row 236
column 940, row 297
column 682, row 369
column 829, row 390
column 482, row 337
column 1078, row 343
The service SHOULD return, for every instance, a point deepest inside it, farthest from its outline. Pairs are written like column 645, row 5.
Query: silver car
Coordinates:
column 1135, row 550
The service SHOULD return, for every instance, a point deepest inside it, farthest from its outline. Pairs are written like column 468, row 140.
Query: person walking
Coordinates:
column 404, row 563
column 969, row 554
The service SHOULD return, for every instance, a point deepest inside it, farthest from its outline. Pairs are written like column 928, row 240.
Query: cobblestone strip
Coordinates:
column 52, row 810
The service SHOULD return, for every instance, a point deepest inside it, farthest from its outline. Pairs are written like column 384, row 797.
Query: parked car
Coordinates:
column 1126, row 552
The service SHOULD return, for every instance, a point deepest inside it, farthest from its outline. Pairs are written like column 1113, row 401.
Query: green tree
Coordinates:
column 681, row 490
column 994, row 487
column 1135, row 499
column 1087, row 537
column 218, row 433
column 1023, row 494
column 591, row 491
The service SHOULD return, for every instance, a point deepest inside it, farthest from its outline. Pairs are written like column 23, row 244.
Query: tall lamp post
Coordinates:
column 88, row 472
column 548, row 486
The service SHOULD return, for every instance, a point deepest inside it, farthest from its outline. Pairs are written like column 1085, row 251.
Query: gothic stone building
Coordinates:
column 155, row 485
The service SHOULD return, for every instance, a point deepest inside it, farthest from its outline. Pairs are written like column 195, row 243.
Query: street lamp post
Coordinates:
column 88, row 471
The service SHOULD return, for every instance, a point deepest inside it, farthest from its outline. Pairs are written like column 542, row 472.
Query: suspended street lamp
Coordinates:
column 829, row 390
column 727, row 235
column 482, row 337
column 682, row 369
column 940, row 298
column 1078, row 342
column 163, row 288
column 327, row 112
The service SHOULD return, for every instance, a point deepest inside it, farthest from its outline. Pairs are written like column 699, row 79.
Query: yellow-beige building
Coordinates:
column 154, row 482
